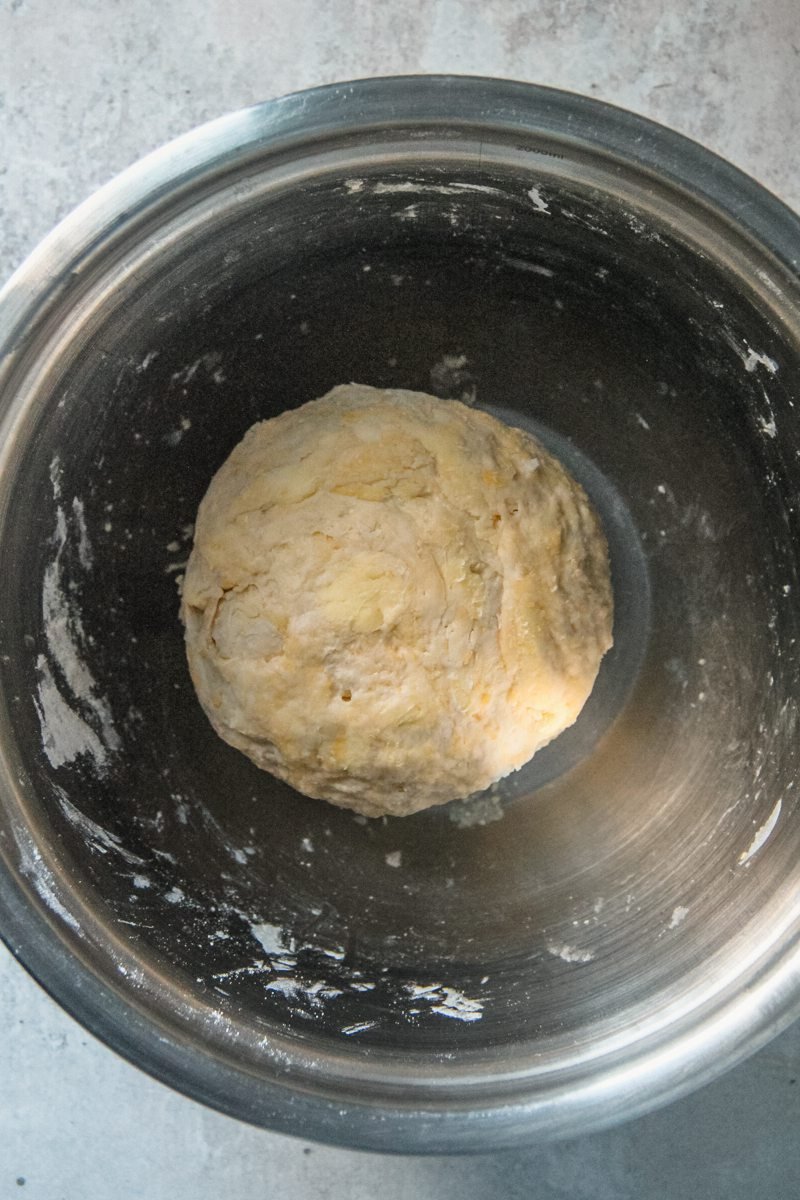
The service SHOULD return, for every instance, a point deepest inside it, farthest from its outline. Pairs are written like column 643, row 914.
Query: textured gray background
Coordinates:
column 86, row 88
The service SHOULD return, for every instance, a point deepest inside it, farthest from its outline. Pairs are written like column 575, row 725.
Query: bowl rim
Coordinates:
column 32, row 924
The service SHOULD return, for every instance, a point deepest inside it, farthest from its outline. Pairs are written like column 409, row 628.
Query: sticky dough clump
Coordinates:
column 393, row 600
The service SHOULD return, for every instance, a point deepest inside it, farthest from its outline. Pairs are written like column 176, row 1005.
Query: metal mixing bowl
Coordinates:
column 616, row 923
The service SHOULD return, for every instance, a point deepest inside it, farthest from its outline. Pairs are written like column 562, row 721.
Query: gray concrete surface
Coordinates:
column 85, row 89
column 78, row 1123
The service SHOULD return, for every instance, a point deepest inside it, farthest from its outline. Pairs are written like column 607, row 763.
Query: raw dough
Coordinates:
column 393, row 600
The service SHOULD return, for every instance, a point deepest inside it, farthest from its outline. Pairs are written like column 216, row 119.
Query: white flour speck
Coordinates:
column 64, row 634
column 335, row 952
column 101, row 838
column 753, row 359
column 209, row 361
column 65, row 734
column 538, row 201
column 524, row 264
column 480, row 810
column 56, row 472
column 84, row 545
column 446, row 1001
column 570, row 954
column 271, row 937
column 679, row 914
column 394, row 859
column 419, row 187
column 415, row 990
column 34, row 868
column 458, row 1006
column 259, row 968
column 174, row 436
column 762, row 833
column 294, row 989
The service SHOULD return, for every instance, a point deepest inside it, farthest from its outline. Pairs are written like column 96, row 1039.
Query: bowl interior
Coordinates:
column 634, row 869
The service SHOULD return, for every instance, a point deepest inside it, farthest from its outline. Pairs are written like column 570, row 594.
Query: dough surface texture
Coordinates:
column 392, row 600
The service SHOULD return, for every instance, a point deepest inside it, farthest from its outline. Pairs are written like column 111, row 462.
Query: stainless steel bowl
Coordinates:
column 619, row 921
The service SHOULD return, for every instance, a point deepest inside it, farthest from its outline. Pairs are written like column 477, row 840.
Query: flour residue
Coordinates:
column 239, row 854
column 446, row 1001
column 538, row 201
column 569, row 954
column 405, row 186
column 477, row 811
column 338, row 953
column 451, row 377
column 409, row 213
column 270, row 937
column 210, row 362
column 761, row 835
column 175, row 435
column 522, row 264
column 101, row 839
column 150, row 357
column 65, row 734
column 295, row 989
column 36, row 870
column 679, row 915
column 296, row 969
column 179, row 546
column 767, row 426
column 359, row 1027
column 85, row 554
column 75, row 718
column 753, row 359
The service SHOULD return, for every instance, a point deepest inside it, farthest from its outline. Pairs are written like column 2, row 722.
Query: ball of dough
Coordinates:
column 393, row 600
